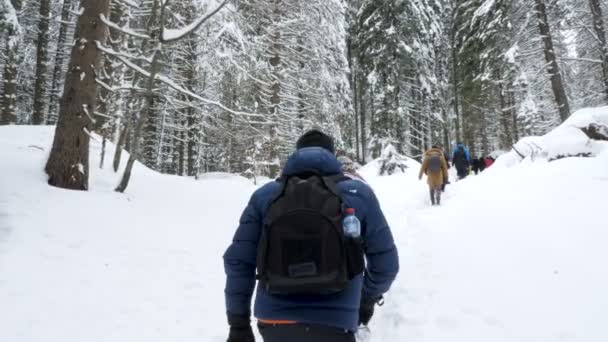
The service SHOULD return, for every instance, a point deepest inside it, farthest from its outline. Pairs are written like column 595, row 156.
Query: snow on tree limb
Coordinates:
column 172, row 84
column 8, row 16
column 122, row 29
column 170, row 36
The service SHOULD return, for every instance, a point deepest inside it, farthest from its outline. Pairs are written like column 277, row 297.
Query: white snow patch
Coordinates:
column 565, row 140
column 515, row 254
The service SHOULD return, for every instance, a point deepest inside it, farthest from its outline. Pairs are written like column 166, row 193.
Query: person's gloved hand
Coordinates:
column 366, row 309
column 240, row 329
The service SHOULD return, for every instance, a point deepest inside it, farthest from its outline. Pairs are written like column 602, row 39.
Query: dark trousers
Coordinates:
column 304, row 333
column 436, row 195
column 462, row 172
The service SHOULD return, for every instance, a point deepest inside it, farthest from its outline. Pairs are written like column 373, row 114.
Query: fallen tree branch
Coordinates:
column 518, row 153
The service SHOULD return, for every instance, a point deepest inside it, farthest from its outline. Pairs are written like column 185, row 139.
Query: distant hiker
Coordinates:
column 461, row 159
column 489, row 161
column 482, row 164
column 349, row 168
column 476, row 165
column 436, row 169
column 320, row 247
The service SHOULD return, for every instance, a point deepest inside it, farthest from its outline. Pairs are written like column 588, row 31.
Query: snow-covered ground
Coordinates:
column 515, row 254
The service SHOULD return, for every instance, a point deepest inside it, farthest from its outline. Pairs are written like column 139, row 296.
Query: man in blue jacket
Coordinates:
column 331, row 317
column 461, row 159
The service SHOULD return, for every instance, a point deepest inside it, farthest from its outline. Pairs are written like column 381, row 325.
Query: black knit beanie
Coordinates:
column 316, row 138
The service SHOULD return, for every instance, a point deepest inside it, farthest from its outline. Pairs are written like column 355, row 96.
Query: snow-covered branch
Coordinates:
column 172, row 84
column 170, row 36
column 122, row 29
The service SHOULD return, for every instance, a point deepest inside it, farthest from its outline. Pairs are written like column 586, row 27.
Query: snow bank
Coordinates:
column 515, row 254
column 390, row 156
column 103, row 266
column 566, row 140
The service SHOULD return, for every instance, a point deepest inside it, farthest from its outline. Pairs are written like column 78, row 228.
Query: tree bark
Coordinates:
column 600, row 31
column 193, row 117
column 362, row 123
column 42, row 61
column 559, row 92
column 121, row 144
column 68, row 164
column 455, row 82
column 59, row 61
column 155, row 47
column 8, row 113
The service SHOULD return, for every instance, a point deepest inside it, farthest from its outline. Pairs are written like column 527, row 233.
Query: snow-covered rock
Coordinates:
column 567, row 140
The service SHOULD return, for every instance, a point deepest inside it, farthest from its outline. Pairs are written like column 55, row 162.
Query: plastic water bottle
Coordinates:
column 351, row 224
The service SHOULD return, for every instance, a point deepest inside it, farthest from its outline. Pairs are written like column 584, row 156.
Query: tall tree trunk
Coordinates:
column 455, row 81
column 193, row 117
column 42, row 60
column 362, row 122
column 122, row 140
column 154, row 46
column 181, row 166
column 513, row 117
column 68, row 164
column 275, row 89
column 148, row 108
column 8, row 112
column 506, row 138
column 59, row 61
column 598, row 25
column 561, row 99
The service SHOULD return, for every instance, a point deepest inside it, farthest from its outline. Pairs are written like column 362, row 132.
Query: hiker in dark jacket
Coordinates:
column 475, row 165
column 308, row 317
column 461, row 159
column 482, row 164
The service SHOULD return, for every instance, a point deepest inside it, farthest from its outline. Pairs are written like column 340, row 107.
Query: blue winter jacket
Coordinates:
column 467, row 154
column 339, row 310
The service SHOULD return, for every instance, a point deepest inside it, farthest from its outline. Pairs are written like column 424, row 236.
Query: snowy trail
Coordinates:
column 516, row 254
column 509, row 257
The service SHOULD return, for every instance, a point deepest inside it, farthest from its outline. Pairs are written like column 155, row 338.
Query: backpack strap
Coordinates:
column 329, row 181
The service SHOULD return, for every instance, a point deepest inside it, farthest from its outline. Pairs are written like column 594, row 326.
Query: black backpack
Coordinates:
column 460, row 155
column 303, row 249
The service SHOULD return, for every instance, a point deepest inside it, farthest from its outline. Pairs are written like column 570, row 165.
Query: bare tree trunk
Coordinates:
column 42, row 61
column 155, row 47
column 275, row 97
column 8, row 113
column 561, row 99
column 148, row 108
column 181, row 163
column 514, row 117
column 68, row 164
column 121, row 143
column 59, row 61
column 362, row 122
column 506, row 137
column 103, row 152
column 107, row 77
column 455, row 86
column 194, row 128
column 598, row 25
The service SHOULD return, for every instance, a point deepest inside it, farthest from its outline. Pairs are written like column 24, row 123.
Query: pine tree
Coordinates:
column 68, row 163
column 66, row 33
column 9, row 23
column 42, row 62
column 559, row 92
